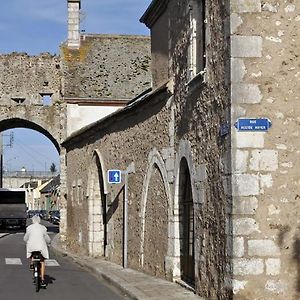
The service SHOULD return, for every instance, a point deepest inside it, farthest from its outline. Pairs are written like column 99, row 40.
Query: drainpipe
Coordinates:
column 130, row 169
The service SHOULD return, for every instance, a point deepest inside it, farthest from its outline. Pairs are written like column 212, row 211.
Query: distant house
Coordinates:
column 33, row 195
column 50, row 194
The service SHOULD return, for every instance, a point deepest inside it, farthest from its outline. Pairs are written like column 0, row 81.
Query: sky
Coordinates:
column 36, row 26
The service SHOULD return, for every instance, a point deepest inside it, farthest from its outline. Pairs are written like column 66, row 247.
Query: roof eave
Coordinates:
column 153, row 12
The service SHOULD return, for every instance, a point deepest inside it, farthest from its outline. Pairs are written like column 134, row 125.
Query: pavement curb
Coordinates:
column 4, row 235
column 55, row 244
column 132, row 283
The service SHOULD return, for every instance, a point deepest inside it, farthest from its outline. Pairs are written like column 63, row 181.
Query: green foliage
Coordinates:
column 53, row 168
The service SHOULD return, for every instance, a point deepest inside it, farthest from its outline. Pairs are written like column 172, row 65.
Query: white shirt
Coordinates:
column 36, row 239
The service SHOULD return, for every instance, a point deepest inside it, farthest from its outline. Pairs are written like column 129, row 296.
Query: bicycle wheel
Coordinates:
column 37, row 277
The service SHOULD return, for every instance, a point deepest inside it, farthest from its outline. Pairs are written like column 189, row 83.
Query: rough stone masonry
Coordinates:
column 265, row 181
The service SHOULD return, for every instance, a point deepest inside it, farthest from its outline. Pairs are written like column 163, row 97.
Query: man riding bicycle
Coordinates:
column 36, row 239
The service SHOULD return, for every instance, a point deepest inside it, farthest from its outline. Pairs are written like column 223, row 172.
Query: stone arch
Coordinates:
column 186, row 179
column 96, row 197
column 55, row 135
column 155, row 160
column 17, row 122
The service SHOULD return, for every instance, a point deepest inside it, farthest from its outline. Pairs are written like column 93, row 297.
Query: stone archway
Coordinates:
column 187, row 201
column 97, row 191
column 11, row 123
column 156, row 174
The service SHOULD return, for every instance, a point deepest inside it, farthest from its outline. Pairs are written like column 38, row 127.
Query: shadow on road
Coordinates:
column 12, row 230
column 49, row 279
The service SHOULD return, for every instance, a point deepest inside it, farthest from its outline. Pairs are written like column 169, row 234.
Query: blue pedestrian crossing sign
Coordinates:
column 114, row 176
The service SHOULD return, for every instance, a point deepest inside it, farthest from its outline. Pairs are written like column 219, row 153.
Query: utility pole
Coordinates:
column 11, row 140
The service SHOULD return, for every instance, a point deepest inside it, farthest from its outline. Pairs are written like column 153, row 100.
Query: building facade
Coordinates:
column 210, row 155
column 209, row 195
column 265, row 166
column 175, row 159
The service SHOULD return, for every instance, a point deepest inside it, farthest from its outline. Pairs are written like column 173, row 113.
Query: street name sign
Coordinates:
column 114, row 176
column 253, row 124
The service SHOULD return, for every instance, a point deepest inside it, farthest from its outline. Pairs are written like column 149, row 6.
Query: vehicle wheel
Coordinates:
column 36, row 274
column 37, row 284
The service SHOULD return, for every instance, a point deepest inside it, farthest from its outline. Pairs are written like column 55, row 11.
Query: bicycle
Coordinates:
column 36, row 261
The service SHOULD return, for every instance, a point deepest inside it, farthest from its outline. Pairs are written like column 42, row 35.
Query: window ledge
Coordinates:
column 185, row 285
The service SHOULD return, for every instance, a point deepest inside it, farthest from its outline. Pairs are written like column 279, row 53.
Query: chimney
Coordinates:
column 73, row 23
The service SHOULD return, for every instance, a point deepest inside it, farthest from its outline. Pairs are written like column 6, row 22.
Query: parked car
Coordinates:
column 31, row 213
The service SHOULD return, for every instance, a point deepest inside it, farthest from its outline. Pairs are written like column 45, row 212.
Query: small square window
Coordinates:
column 46, row 99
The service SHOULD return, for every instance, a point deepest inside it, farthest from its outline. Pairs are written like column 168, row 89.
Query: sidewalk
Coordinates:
column 136, row 285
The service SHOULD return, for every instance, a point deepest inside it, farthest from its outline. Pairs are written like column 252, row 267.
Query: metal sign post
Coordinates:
column 125, row 254
column 114, row 176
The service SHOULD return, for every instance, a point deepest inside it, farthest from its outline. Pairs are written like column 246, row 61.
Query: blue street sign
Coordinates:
column 114, row 176
column 253, row 124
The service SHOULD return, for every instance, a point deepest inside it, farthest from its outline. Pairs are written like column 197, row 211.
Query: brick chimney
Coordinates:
column 74, row 23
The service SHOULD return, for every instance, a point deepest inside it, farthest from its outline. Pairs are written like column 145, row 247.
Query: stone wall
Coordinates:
column 115, row 142
column 265, row 182
column 107, row 67
column 25, row 79
column 160, row 135
column 201, row 107
column 31, row 92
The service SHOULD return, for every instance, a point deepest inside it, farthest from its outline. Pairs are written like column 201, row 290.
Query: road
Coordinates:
column 66, row 280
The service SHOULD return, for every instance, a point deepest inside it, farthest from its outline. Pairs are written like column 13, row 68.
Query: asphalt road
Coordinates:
column 66, row 280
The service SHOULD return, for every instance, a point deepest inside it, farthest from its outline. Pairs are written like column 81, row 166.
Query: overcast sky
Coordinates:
column 36, row 26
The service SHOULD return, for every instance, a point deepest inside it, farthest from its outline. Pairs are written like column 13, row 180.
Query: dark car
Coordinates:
column 31, row 213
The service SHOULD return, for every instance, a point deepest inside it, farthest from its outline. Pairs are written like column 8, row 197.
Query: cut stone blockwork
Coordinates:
column 223, row 204
column 264, row 185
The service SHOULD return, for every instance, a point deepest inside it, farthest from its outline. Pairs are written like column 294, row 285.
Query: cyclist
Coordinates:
column 36, row 239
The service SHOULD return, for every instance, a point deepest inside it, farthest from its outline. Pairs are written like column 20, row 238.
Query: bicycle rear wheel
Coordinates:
column 36, row 277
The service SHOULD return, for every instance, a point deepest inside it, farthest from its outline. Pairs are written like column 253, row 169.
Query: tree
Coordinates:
column 53, row 168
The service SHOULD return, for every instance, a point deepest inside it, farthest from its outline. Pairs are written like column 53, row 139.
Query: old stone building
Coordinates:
column 168, row 143
column 209, row 195
column 58, row 94
column 213, row 188
column 265, row 165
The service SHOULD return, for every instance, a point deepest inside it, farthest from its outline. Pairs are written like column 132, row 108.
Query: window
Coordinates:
column 46, row 99
column 196, row 36
column 18, row 100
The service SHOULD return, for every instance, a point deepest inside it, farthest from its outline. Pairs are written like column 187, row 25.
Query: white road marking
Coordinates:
column 13, row 261
column 51, row 263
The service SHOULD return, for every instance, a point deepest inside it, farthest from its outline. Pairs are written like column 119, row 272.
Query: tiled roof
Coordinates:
column 52, row 185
